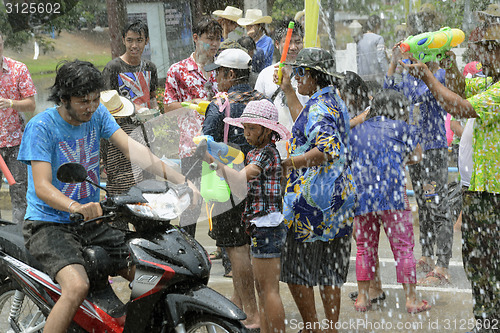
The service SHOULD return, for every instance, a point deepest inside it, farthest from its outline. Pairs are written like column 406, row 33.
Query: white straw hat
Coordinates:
column 117, row 105
column 254, row 16
column 230, row 13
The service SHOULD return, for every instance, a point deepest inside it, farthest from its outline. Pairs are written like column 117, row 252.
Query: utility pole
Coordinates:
column 117, row 18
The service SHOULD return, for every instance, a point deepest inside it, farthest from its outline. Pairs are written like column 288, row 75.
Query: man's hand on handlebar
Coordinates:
column 89, row 210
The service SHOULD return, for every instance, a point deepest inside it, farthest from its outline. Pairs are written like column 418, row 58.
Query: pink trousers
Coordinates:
column 399, row 229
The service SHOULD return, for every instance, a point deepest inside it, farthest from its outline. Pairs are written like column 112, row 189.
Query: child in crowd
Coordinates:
column 263, row 213
column 381, row 147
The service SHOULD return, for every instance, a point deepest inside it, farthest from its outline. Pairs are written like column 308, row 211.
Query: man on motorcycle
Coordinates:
column 71, row 132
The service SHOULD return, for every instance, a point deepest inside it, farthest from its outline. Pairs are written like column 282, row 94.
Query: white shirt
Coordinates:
column 266, row 86
column 465, row 162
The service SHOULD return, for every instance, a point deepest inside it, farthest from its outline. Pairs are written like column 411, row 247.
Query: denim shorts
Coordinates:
column 267, row 242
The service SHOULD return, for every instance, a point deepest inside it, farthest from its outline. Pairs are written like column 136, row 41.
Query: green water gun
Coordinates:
column 432, row 46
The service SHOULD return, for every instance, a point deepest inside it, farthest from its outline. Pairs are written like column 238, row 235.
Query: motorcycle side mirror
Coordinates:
column 72, row 173
column 75, row 173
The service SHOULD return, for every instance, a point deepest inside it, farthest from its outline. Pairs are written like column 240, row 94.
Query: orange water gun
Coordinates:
column 285, row 51
column 5, row 170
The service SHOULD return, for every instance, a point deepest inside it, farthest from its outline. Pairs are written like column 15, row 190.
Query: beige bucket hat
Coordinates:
column 254, row 16
column 231, row 13
column 117, row 105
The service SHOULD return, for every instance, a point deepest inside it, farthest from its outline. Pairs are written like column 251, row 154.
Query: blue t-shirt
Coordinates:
column 379, row 147
column 265, row 43
column 432, row 115
column 49, row 138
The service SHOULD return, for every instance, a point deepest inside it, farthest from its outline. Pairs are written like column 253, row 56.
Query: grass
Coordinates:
column 46, row 67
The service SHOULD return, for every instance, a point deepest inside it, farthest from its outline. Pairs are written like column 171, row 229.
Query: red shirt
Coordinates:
column 15, row 84
column 186, row 82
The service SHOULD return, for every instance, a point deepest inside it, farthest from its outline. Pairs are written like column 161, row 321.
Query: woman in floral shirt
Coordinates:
column 320, row 191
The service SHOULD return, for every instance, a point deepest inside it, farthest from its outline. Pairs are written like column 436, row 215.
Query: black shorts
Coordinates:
column 57, row 245
column 315, row 263
column 228, row 229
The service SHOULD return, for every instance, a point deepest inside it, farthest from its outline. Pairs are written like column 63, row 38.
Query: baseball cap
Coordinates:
column 231, row 58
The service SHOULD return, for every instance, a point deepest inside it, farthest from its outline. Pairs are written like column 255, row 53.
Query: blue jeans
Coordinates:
column 267, row 242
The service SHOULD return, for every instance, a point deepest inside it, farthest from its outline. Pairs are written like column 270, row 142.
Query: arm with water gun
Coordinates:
column 285, row 51
column 221, row 151
column 201, row 107
column 432, row 46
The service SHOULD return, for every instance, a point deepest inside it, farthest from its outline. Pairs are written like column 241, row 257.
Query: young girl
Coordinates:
column 381, row 146
column 263, row 213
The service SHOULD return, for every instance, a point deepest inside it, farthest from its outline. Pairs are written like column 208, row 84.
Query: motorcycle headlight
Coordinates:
column 161, row 206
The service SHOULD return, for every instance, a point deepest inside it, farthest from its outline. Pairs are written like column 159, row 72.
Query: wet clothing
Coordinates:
column 319, row 200
column 185, row 82
column 137, row 83
column 431, row 115
column 480, row 255
column 264, row 58
column 121, row 174
column 239, row 96
column 430, row 176
column 398, row 226
column 486, row 136
column 58, row 142
column 379, row 148
column 481, row 205
column 229, row 230
column 49, row 234
column 57, row 245
column 371, row 57
column 266, row 85
column 430, row 183
column 264, row 192
column 15, row 84
column 267, row 242
column 315, row 263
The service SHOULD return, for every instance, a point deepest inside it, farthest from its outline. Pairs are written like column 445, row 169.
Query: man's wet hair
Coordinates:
column 354, row 87
column 247, row 43
column 390, row 104
column 75, row 79
column 207, row 25
column 137, row 26
column 242, row 75
column 282, row 28
column 373, row 23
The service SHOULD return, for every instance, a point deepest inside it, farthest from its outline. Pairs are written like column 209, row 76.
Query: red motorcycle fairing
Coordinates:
column 89, row 316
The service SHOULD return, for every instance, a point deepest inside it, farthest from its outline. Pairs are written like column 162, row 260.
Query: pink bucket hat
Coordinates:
column 262, row 113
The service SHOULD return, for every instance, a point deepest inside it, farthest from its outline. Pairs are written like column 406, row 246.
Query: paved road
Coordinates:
column 451, row 305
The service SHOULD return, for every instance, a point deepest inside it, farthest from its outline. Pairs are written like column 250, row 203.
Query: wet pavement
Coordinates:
column 451, row 304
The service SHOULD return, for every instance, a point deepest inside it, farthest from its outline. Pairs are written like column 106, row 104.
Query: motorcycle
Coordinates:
column 169, row 292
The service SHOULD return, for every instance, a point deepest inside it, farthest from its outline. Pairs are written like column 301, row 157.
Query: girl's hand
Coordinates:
column 416, row 68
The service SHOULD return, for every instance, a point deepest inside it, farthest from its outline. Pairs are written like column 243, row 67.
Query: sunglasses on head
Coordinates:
column 300, row 71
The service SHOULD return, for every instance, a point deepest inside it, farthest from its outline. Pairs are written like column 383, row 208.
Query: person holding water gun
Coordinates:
column 232, row 67
column 429, row 177
column 289, row 106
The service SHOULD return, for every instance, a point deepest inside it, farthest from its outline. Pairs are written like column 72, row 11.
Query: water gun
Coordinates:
column 5, row 170
column 222, row 152
column 431, row 46
column 201, row 107
column 285, row 50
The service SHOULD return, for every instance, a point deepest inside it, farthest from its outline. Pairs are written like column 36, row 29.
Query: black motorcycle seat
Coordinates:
column 12, row 243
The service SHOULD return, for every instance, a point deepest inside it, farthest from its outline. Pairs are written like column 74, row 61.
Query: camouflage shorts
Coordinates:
column 481, row 258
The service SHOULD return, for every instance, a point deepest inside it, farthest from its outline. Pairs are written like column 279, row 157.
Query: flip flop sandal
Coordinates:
column 441, row 280
column 354, row 295
column 418, row 309
column 215, row 255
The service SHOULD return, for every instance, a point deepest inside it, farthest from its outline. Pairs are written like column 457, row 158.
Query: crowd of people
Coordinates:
column 325, row 160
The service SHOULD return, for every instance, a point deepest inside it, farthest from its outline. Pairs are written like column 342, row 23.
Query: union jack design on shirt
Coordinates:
column 86, row 152
column 135, row 86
